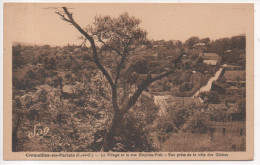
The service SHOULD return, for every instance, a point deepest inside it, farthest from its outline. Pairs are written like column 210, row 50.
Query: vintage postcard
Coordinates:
column 128, row 81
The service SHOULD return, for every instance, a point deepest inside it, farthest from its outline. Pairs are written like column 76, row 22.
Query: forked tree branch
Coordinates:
column 145, row 83
column 175, row 62
column 94, row 52
column 108, row 46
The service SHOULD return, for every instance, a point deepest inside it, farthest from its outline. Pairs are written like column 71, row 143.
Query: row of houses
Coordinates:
column 228, row 90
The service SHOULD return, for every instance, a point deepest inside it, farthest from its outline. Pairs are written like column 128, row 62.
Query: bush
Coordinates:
column 186, row 86
column 212, row 97
column 197, row 123
column 167, row 125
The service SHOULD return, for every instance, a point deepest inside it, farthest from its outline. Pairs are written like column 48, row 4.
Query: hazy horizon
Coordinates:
column 32, row 23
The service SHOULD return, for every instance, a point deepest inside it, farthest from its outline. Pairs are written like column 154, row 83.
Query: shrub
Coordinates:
column 197, row 123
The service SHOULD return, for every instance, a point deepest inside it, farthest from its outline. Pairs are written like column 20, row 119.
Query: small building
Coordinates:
column 235, row 78
column 211, row 58
column 233, row 90
column 232, row 67
column 235, row 114
column 200, row 44
column 225, row 88
column 211, row 62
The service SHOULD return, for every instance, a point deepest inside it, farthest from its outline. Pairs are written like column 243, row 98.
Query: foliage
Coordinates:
column 71, row 125
column 205, row 40
column 212, row 97
column 192, row 41
column 121, row 34
column 198, row 122
column 242, row 105
column 221, row 45
column 17, row 59
column 189, row 118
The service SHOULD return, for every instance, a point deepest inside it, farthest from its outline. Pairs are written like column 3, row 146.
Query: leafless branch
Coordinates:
column 63, row 17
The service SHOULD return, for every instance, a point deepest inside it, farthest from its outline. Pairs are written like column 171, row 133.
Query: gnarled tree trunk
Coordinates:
column 114, row 131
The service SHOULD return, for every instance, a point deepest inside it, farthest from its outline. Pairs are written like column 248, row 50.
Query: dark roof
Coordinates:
column 210, row 56
column 222, row 85
column 231, row 66
column 238, row 75
column 216, row 107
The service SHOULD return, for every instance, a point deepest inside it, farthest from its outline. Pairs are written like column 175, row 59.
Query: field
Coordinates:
column 230, row 141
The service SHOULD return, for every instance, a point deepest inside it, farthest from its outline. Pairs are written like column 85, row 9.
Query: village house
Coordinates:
column 235, row 78
column 234, row 83
column 199, row 45
column 211, row 58
column 232, row 67
column 233, row 90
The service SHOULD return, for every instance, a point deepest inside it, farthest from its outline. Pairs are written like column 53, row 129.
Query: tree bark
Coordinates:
column 14, row 133
column 114, row 131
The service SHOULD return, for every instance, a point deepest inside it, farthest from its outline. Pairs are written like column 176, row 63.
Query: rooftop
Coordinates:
column 210, row 56
column 238, row 75
column 211, row 62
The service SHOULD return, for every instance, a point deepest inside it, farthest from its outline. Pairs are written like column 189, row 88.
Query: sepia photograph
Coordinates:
column 146, row 79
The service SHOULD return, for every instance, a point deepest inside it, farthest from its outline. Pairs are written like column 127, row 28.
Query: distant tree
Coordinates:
column 31, row 74
column 17, row 115
column 186, row 86
column 220, row 45
column 233, row 56
column 30, row 79
column 17, row 57
column 47, row 47
column 67, row 63
column 205, row 40
column 75, row 66
column 68, row 76
column 242, row 105
column 192, row 41
column 42, row 97
column 57, row 81
column 213, row 97
column 239, row 42
column 121, row 36
column 179, row 44
column 187, row 65
column 51, row 63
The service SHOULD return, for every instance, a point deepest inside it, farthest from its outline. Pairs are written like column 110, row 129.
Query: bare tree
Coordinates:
column 121, row 36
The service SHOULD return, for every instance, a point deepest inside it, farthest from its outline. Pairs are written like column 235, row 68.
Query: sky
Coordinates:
column 34, row 24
